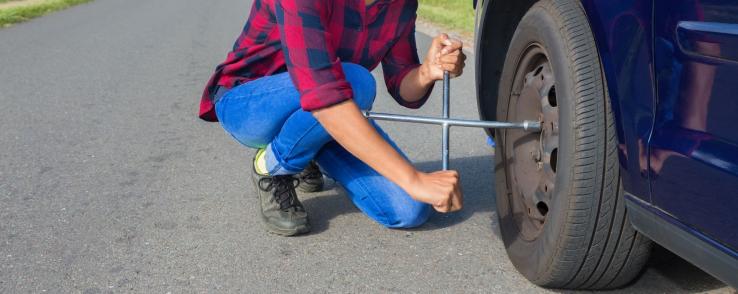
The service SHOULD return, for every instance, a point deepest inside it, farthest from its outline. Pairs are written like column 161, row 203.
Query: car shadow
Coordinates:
column 477, row 181
column 686, row 276
column 666, row 272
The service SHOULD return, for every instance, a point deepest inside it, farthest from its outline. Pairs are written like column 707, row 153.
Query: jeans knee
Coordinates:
column 362, row 83
column 249, row 133
column 410, row 218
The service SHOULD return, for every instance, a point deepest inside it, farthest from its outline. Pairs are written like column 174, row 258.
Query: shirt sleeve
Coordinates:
column 311, row 61
column 399, row 61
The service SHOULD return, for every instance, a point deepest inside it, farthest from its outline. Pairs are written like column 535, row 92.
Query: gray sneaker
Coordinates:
column 311, row 179
column 281, row 211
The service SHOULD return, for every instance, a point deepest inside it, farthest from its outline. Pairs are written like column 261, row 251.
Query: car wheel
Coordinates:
column 559, row 195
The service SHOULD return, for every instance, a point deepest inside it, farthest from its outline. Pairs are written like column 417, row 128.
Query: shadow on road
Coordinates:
column 326, row 207
column 479, row 196
column 683, row 274
column 476, row 180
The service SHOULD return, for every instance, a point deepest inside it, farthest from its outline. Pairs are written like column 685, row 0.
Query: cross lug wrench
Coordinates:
column 446, row 121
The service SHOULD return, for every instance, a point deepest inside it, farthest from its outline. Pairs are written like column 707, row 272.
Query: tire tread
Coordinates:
column 598, row 248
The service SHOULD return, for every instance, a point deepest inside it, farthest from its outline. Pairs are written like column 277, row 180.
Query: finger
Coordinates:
column 454, row 59
column 451, row 58
column 450, row 67
column 452, row 173
column 452, row 53
column 440, row 209
column 455, row 203
column 446, row 175
column 458, row 72
column 446, row 203
column 451, row 45
column 439, row 40
column 454, row 69
column 453, row 208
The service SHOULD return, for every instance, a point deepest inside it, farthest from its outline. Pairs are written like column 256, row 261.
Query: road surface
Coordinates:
column 110, row 183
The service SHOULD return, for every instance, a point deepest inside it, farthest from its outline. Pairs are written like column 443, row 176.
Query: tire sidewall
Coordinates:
column 535, row 259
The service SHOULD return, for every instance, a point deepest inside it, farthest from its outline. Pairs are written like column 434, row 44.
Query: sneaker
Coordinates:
column 311, row 179
column 281, row 211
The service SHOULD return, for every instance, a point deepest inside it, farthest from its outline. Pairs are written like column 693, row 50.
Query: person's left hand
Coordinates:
column 444, row 54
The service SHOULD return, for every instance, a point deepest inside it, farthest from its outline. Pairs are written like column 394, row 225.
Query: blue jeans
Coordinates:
column 266, row 113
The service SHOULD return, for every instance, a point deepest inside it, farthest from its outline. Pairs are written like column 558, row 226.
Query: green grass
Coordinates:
column 13, row 15
column 451, row 14
column 3, row 1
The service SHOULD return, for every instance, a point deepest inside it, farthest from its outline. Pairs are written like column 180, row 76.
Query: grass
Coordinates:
column 9, row 16
column 451, row 14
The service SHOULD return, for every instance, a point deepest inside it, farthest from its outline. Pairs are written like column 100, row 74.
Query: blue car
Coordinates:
column 638, row 100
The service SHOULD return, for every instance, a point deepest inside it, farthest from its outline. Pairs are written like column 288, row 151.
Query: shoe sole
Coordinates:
column 310, row 189
column 286, row 232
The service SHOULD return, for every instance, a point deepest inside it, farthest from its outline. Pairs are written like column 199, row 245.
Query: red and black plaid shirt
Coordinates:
column 310, row 39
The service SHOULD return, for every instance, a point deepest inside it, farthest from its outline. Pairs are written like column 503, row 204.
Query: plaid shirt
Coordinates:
column 310, row 39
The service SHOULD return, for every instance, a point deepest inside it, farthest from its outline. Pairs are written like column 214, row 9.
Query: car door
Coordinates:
column 693, row 152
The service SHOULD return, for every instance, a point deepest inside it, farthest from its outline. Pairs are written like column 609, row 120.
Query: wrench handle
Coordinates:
column 446, row 115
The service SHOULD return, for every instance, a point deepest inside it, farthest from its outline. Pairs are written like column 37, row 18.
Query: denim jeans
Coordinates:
column 266, row 113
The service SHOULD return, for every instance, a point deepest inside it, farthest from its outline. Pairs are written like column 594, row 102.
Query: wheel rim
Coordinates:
column 531, row 158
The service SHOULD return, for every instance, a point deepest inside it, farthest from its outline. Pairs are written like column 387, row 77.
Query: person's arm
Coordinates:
column 310, row 55
column 350, row 129
column 324, row 91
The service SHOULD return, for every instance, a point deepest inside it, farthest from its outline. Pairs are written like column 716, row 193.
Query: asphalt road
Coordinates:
column 110, row 183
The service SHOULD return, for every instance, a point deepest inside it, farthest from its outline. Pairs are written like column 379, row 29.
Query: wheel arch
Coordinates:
column 495, row 25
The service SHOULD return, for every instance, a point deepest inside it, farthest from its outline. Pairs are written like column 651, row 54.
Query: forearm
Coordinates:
column 345, row 123
column 416, row 84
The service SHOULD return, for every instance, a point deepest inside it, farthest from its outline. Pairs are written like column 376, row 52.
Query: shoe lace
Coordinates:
column 284, row 190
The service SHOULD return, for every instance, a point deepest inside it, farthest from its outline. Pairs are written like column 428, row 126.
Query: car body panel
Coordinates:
column 694, row 150
column 622, row 31
column 697, row 248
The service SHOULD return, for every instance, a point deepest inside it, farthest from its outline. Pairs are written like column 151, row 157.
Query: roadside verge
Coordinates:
column 454, row 17
column 12, row 12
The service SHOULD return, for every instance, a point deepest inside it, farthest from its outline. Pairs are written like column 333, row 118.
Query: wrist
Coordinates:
column 424, row 75
column 409, row 180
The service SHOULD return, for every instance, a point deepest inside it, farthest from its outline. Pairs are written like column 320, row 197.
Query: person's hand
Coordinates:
column 440, row 189
column 444, row 54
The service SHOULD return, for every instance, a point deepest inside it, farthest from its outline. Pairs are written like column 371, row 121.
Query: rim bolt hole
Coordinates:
column 538, row 70
column 542, row 208
column 554, row 158
column 552, row 97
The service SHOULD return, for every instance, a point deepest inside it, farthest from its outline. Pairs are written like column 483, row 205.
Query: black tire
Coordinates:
column 572, row 230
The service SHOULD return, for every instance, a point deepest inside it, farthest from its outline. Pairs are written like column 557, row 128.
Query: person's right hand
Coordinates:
column 440, row 189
